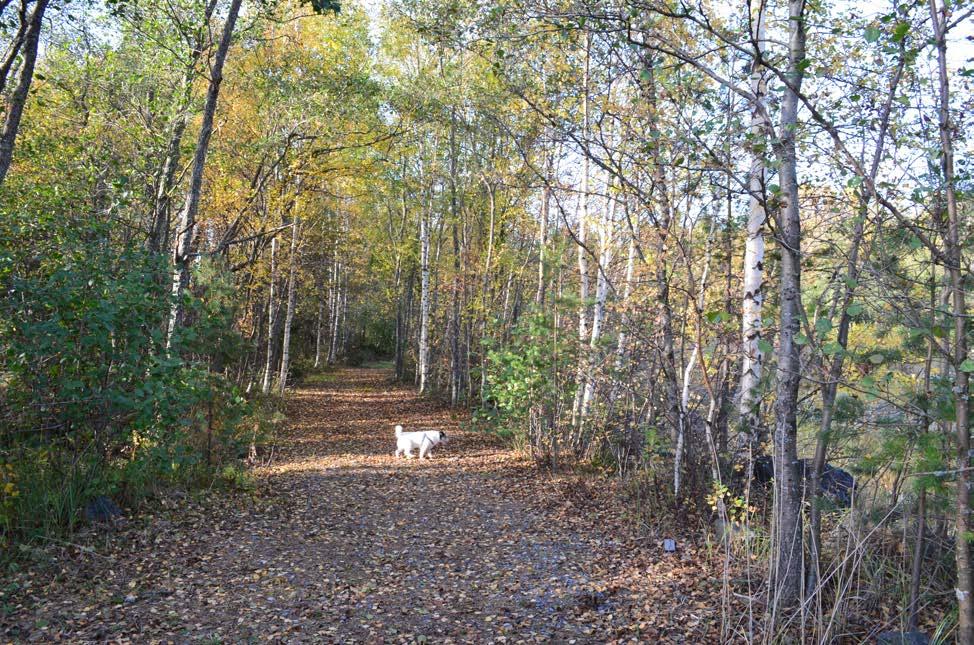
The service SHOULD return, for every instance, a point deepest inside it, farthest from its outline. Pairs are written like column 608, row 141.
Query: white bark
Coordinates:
column 691, row 364
column 318, row 321
column 424, row 302
column 754, row 247
column 598, row 313
column 268, row 367
column 291, row 297
column 583, row 282
column 187, row 217
column 336, row 300
column 621, row 348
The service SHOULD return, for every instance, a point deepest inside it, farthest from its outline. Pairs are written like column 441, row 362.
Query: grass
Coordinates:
column 379, row 365
column 319, row 378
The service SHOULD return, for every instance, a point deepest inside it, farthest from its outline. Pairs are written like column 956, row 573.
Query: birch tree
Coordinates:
column 751, row 312
column 182, row 253
column 291, row 300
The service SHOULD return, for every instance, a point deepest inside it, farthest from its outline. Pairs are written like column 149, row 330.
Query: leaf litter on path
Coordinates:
column 345, row 543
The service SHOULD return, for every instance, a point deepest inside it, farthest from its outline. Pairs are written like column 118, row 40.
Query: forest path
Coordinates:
column 344, row 543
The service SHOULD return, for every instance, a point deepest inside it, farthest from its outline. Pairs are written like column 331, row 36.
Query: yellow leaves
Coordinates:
column 8, row 485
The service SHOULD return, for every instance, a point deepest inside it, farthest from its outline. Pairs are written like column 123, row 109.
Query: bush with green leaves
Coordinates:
column 531, row 386
column 91, row 400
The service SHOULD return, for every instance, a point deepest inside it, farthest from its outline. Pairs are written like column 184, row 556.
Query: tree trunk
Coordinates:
column 456, row 374
column 787, row 521
column 667, row 351
column 13, row 49
column 319, row 320
column 621, row 344
column 961, row 388
column 484, row 288
column 335, row 308
column 583, row 281
column 343, row 349
column 291, row 297
column 158, row 241
column 271, row 321
column 753, row 367
column 539, row 297
column 424, row 301
column 18, row 99
column 187, row 218
column 598, row 311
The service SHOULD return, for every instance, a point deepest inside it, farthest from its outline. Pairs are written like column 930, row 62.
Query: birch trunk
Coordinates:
column 623, row 338
column 291, row 297
column 424, row 301
column 187, row 218
column 343, row 348
column 456, row 373
column 753, row 367
column 336, row 309
column 691, row 364
column 583, row 281
column 598, row 311
column 162, row 203
column 539, row 297
column 18, row 99
column 319, row 320
column 271, row 308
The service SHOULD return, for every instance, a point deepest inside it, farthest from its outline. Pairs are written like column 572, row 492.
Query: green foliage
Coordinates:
column 529, row 378
column 92, row 401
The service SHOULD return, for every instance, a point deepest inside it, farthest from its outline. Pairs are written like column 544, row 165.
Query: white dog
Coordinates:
column 424, row 440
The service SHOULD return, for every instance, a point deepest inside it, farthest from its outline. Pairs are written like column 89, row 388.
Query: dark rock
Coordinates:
column 837, row 485
column 764, row 469
column 102, row 509
column 902, row 638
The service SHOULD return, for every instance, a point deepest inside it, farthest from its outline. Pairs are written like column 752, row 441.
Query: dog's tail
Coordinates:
column 398, row 430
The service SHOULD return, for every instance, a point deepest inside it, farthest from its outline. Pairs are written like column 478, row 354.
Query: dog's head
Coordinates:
column 443, row 438
column 398, row 430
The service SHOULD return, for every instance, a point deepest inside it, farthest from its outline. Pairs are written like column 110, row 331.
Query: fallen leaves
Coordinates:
column 345, row 543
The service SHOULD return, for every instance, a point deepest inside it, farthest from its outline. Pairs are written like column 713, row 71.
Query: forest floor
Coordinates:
column 341, row 542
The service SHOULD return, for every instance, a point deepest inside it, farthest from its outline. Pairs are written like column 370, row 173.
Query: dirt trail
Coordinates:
column 345, row 543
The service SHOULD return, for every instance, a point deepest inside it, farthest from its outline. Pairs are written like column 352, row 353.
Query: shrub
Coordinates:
column 531, row 388
column 91, row 401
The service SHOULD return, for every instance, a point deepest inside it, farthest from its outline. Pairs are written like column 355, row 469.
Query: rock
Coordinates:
column 764, row 469
column 837, row 485
column 102, row 509
column 902, row 638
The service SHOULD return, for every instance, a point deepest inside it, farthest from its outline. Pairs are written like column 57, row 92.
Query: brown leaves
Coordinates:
column 345, row 542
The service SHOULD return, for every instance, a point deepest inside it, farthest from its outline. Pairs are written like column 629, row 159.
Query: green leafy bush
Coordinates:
column 531, row 387
column 91, row 400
